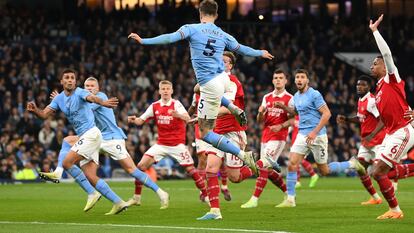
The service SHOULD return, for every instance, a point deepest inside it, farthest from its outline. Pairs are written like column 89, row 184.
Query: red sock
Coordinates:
column 401, row 171
column 245, row 173
column 138, row 187
column 261, row 182
column 213, row 190
column 387, row 190
column 277, row 180
column 308, row 167
column 366, row 181
column 223, row 174
column 298, row 174
column 202, row 173
column 198, row 180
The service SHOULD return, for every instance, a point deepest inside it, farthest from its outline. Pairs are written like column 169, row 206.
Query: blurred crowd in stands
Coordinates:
column 36, row 45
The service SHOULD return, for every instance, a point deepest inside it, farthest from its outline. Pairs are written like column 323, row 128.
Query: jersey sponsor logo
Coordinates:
column 164, row 120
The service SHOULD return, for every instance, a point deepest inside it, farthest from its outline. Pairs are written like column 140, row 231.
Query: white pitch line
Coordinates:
column 141, row 226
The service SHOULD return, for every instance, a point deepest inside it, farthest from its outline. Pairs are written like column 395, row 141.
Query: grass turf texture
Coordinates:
column 333, row 206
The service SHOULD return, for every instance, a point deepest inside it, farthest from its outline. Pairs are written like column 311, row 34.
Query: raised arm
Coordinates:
column 43, row 114
column 109, row 103
column 383, row 46
column 244, row 50
column 135, row 120
column 161, row 39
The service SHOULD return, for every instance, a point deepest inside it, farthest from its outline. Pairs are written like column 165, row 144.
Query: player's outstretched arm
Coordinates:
column 291, row 111
column 135, row 120
column 109, row 103
column 233, row 45
column 161, row 39
column 342, row 119
column 43, row 114
column 382, row 45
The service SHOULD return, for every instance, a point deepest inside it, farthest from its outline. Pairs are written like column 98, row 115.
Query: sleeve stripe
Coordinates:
column 237, row 47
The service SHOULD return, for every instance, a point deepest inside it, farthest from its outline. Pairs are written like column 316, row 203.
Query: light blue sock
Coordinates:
column 105, row 190
column 80, row 178
column 145, row 180
column 225, row 102
column 63, row 152
column 222, row 143
column 339, row 167
column 291, row 179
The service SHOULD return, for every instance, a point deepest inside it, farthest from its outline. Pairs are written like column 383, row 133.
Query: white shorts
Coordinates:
column 201, row 146
column 396, row 145
column 319, row 148
column 115, row 148
column 369, row 154
column 239, row 138
column 88, row 146
column 211, row 94
column 178, row 152
column 271, row 150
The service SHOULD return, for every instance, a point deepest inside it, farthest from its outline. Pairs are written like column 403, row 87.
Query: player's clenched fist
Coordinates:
column 31, row 106
column 131, row 119
column 341, row 119
column 135, row 37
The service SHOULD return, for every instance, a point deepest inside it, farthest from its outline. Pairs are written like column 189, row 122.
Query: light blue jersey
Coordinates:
column 76, row 109
column 307, row 105
column 207, row 43
column 105, row 120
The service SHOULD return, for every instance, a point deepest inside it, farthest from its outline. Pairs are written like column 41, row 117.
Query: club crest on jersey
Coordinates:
column 157, row 112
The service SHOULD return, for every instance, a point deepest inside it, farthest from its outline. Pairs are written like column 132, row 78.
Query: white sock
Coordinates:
column 396, row 209
column 137, row 196
column 58, row 171
column 291, row 198
column 376, row 196
column 254, row 198
column 215, row 210
column 224, row 187
column 159, row 192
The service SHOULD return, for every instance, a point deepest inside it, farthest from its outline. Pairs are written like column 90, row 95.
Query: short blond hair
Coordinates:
column 165, row 82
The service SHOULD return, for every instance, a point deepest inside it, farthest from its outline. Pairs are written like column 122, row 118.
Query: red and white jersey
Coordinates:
column 368, row 116
column 228, row 123
column 295, row 129
column 171, row 130
column 275, row 116
column 391, row 102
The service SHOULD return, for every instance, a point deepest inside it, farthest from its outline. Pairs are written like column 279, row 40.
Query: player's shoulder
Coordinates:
column 102, row 95
column 268, row 95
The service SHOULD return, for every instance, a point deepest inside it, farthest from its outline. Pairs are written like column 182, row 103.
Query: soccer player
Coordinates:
column 229, row 127
column 391, row 102
column 313, row 114
column 275, row 131
column 74, row 103
column 207, row 43
column 372, row 134
column 170, row 118
column 113, row 144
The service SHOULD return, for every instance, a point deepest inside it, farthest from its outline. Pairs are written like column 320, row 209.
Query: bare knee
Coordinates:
column 142, row 167
column 234, row 178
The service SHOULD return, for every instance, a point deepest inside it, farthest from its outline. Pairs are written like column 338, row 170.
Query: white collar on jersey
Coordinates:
column 166, row 104
column 280, row 95
column 365, row 96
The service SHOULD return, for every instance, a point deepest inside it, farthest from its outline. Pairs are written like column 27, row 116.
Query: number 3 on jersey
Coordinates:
column 209, row 50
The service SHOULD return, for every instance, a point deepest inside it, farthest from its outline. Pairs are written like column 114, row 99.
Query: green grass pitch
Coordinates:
column 333, row 206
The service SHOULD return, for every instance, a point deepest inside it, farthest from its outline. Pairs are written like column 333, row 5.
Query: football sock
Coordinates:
column 261, row 182
column 366, row 181
column 213, row 189
column 198, row 180
column 277, row 180
column 222, row 143
column 245, row 172
column 144, row 179
column 138, row 187
column 223, row 176
column 401, row 171
column 387, row 190
column 80, row 178
column 308, row 167
column 107, row 192
column 291, row 182
column 338, row 167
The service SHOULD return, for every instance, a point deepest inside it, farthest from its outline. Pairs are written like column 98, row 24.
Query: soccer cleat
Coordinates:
column 164, row 200
column 313, row 180
column 357, row 165
column 134, row 201
column 240, row 115
column 298, row 185
column 211, row 216
column 286, row 204
column 118, row 208
column 391, row 215
column 250, row 204
column 226, row 193
column 92, row 200
column 249, row 160
column 372, row 201
column 49, row 176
